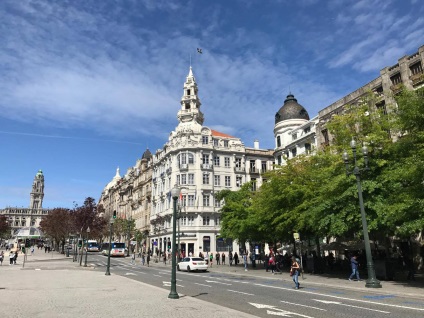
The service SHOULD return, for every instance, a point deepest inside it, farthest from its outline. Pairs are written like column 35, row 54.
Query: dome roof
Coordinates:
column 147, row 155
column 291, row 110
column 28, row 232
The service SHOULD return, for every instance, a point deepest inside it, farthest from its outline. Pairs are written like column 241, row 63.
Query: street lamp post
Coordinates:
column 86, row 249
column 110, row 246
column 179, row 233
column 175, row 193
column 129, row 235
column 372, row 281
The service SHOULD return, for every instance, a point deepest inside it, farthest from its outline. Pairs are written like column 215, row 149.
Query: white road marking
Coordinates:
column 212, row 281
column 38, row 269
column 167, row 284
column 338, row 297
column 235, row 291
column 273, row 310
column 341, row 304
column 203, row 285
column 132, row 274
column 157, row 275
column 287, row 302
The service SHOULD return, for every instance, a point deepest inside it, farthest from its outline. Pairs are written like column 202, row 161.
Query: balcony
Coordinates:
column 254, row 171
column 417, row 78
column 396, row 88
column 168, row 171
column 239, row 169
column 183, row 166
column 206, row 166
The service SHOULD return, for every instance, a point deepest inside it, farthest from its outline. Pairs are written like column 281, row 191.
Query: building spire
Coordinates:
column 190, row 102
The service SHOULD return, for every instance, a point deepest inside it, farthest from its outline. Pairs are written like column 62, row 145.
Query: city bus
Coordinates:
column 92, row 246
column 118, row 249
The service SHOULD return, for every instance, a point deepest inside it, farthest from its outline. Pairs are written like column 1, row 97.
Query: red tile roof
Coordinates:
column 220, row 134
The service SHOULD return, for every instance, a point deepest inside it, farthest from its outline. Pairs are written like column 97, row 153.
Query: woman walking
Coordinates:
column 295, row 271
column 223, row 258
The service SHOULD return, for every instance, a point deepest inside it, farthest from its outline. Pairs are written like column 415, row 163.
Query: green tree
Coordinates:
column 5, row 228
column 58, row 224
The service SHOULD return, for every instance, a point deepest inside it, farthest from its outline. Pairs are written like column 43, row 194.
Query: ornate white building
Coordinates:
column 32, row 216
column 201, row 161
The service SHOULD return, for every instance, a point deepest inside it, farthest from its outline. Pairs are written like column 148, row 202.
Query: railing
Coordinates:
column 239, row 169
column 206, row 166
column 183, row 166
column 254, row 171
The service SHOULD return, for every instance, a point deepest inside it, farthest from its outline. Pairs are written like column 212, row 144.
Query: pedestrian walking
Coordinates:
column 295, row 271
column 266, row 262
column 223, row 258
column 32, row 250
column 164, row 258
column 143, row 258
column 245, row 261
column 148, row 259
column 236, row 258
column 230, row 256
column 11, row 257
column 1, row 257
column 133, row 258
column 211, row 258
column 15, row 258
column 271, row 263
column 217, row 258
column 354, row 264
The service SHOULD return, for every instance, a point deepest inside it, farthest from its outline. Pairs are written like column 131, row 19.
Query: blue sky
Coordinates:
column 88, row 85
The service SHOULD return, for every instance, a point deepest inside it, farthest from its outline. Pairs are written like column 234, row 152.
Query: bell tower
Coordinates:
column 190, row 102
column 37, row 191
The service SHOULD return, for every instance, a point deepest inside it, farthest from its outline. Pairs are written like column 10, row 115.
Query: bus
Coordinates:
column 92, row 246
column 118, row 249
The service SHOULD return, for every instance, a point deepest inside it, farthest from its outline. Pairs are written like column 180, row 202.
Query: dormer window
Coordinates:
column 205, row 140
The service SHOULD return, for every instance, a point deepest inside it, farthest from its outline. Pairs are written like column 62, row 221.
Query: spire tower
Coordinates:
column 37, row 191
column 190, row 102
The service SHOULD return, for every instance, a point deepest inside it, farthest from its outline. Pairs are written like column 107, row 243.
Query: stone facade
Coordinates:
column 408, row 72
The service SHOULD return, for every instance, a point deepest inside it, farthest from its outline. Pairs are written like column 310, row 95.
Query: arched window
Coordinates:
column 185, row 158
column 278, row 141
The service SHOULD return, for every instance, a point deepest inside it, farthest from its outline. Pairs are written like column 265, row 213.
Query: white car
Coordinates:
column 192, row 264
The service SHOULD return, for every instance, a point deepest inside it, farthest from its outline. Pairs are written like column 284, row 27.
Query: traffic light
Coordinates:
column 114, row 214
column 27, row 243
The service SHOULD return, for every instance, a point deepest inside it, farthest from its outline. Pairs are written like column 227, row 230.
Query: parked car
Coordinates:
column 192, row 264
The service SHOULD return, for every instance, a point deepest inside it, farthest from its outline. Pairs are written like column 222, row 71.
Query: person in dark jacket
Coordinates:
column 266, row 262
column 230, row 256
column 223, row 258
column 235, row 258
column 354, row 264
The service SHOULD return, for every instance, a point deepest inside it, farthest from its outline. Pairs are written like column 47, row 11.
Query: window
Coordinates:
column 217, row 180
column 279, row 160
column 205, row 140
column 217, row 220
column 206, row 200
column 206, row 220
column 278, row 141
column 188, row 92
column 216, row 142
column 190, row 158
column 190, row 220
column 293, row 151
column 238, row 162
column 416, row 68
column 226, row 143
column 252, row 164
column 183, row 220
column 178, row 180
column 263, row 166
column 294, row 136
column 206, row 178
column 227, row 181
column 396, row 79
column 307, row 130
column 184, row 200
column 238, row 181
column 183, row 179
column 253, row 184
column 216, row 161
column 190, row 200
column 308, row 148
column 190, row 178
column 217, row 203
column 325, row 136
column 227, row 161
column 205, row 159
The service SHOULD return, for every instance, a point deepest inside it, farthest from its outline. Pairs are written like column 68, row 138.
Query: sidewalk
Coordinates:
column 413, row 289
column 61, row 288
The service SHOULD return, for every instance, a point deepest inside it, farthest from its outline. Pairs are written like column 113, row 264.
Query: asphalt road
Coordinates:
column 265, row 297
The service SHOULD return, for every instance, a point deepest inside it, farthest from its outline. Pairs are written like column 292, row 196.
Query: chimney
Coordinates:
column 256, row 144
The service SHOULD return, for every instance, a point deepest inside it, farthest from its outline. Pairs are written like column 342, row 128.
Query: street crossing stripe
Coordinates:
column 287, row 302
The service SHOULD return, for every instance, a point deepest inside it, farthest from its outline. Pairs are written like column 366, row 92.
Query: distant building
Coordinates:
column 408, row 72
column 32, row 216
column 130, row 195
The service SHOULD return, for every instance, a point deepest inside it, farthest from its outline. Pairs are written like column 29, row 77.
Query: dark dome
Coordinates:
column 147, row 155
column 291, row 110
